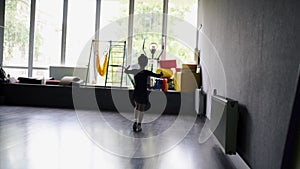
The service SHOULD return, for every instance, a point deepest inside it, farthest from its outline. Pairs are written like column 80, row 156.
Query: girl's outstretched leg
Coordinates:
column 141, row 109
column 141, row 115
column 139, row 122
column 136, row 115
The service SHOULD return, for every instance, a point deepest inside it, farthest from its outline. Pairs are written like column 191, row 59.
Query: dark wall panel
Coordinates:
column 105, row 99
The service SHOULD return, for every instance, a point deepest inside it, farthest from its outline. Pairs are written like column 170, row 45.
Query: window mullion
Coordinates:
column 199, row 25
column 2, row 14
column 130, row 31
column 64, row 33
column 164, row 29
column 97, row 23
column 31, row 36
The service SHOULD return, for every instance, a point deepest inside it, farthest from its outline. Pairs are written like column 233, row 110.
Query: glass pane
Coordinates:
column 81, row 29
column 13, row 72
column 113, row 27
column 182, row 18
column 16, row 33
column 40, row 73
column 48, row 30
column 185, row 10
column 112, row 11
column 179, row 51
column 114, row 20
column 147, row 29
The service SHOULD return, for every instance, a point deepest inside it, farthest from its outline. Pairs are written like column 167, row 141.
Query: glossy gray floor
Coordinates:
column 46, row 138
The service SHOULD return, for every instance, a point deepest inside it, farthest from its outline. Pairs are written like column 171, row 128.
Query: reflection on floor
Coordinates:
column 46, row 138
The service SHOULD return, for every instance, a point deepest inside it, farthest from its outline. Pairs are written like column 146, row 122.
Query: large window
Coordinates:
column 182, row 16
column 147, row 27
column 48, row 30
column 47, row 39
column 81, row 28
column 16, row 34
column 113, row 23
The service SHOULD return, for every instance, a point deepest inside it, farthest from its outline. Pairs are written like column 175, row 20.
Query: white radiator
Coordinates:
column 199, row 101
column 223, row 122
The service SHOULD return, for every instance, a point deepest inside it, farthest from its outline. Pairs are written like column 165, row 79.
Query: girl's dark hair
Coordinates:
column 143, row 60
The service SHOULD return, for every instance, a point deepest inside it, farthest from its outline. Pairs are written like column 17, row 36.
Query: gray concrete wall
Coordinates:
column 251, row 52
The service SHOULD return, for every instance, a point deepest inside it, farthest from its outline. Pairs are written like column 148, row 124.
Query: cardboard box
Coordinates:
column 177, row 81
column 189, row 81
column 189, row 68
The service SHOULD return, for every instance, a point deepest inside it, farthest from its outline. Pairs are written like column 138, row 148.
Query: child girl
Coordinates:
column 140, row 93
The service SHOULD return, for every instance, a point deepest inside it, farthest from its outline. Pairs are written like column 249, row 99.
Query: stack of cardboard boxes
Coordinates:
column 188, row 79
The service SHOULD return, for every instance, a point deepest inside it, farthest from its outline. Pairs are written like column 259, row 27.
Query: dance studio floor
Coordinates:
column 50, row 138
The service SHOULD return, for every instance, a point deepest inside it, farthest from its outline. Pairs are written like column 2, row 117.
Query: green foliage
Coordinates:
column 151, row 22
column 16, row 33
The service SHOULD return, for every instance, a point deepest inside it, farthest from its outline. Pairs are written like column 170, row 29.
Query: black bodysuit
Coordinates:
column 140, row 91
